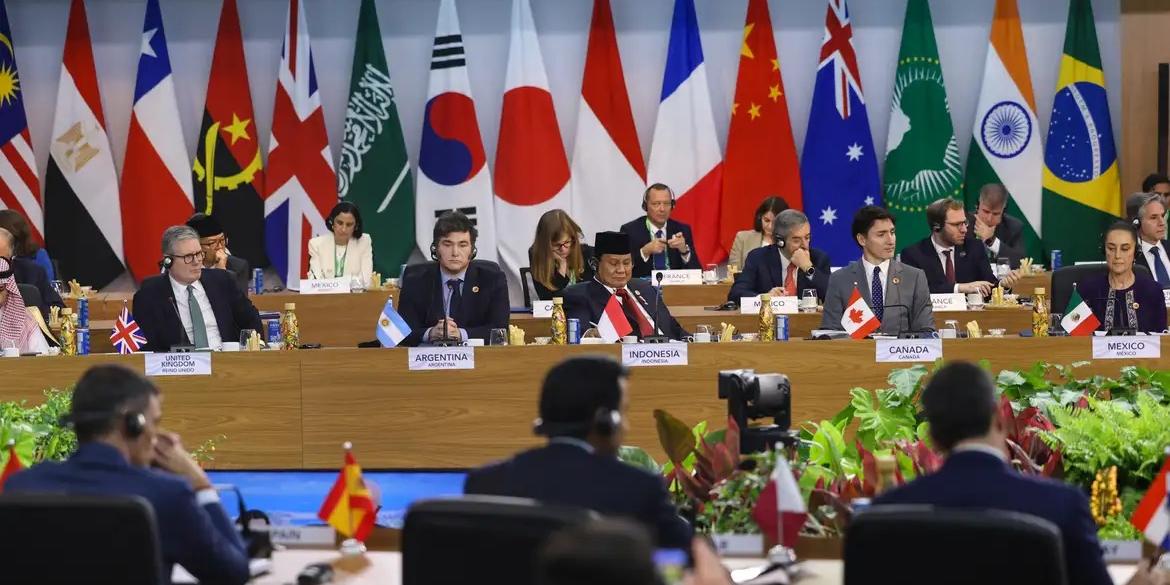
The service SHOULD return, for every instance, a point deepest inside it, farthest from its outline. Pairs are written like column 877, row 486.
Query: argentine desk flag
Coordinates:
column 391, row 329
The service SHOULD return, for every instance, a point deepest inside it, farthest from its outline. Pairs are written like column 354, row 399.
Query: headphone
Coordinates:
column 167, row 262
column 350, row 208
column 646, row 194
column 454, row 217
column 605, row 422
column 134, row 422
column 1133, row 229
column 435, row 251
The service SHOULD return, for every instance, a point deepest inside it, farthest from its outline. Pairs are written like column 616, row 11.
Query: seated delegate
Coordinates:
column 1122, row 299
column 558, row 258
column 346, row 250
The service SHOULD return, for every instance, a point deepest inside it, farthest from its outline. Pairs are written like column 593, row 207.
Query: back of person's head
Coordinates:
column 23, row 243
column 602, row 552
column 575, row 390
column 454, row 222
column 866, row 217
column 959, row 403
column 1153, row 179
column 103, row 397
column 772, row 204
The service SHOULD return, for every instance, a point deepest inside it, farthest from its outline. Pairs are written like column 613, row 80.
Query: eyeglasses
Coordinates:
column 957, row 224
column 565, row 245
column 196, row 258
column 220, row 242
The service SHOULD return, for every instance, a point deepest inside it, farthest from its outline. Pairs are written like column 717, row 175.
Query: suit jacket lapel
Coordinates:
column 863, row 282
column 469, row 295
column 775, row 267
column 894, row 284
column 218, row 304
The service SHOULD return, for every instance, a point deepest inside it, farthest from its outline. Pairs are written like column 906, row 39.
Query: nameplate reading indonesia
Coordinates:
column 688, row 276
column 654, row 354
column 949, row 302
column 1127, row 347
column 325, row 286
column 780, row 305
column 441, row 358
column 542, row 309
column 194, row 363
column 909, row 350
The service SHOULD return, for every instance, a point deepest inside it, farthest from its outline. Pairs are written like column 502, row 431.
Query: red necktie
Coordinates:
column 628, row 308
column 950, row 267
column 790, row 280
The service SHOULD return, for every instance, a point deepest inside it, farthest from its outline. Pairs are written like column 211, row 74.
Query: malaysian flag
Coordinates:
column 126, row 337
column 19, row 186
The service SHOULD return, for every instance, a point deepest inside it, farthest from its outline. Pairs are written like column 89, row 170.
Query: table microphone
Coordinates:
column 908, row 332
column 183, row 330
column 657, row 337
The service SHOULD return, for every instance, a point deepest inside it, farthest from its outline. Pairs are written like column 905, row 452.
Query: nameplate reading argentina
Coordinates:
column 441, row 358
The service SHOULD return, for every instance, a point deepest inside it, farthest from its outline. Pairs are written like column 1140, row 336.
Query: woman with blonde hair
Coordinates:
column 557, row 255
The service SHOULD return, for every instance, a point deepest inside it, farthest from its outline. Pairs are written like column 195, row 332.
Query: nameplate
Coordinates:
column 669, row 277
column 1127, row 347
column 325, row 286
column 949, row 302
column 909, row 350
column 542, row 309
column 302, row 535
column 780, row 305
column 195, row 363
column 441, row 358
column 654, row 354
column 1121, row 551
column 1166, row 296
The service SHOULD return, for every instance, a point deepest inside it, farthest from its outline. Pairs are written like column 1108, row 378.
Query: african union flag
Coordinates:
column 1082, row 193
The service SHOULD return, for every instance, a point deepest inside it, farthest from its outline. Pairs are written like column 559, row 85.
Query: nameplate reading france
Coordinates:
column 685, row 276
column 909, row 350
column 949, row 302
column 325, row 286
column 1127, row 347
column 654, row 354
column 195, row 363
column 442, row 358
column 542, row 309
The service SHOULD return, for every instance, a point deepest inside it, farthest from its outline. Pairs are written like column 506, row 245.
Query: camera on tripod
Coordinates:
column 751, row 396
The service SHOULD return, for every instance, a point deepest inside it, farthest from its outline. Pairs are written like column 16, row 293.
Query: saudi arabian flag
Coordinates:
column 1078, row 317
column 1081, row 185
column 1005, row 144
column 374, row 172
column 922, row 155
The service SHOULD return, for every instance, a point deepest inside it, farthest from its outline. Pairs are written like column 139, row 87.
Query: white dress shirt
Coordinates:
column 942, row 260
column 1154, row 255
column 884, row 275
column 214, row 341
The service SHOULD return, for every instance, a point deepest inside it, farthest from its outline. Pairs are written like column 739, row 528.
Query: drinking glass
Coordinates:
column 808, row 303
column 246, row 342
column 1003, row 267
column 59, row 287
column 498, row 337
column 711, row 274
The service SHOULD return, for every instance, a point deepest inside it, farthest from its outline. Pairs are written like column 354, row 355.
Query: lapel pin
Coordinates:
column 1136, row 306
column 895, row 280
column 475, row 289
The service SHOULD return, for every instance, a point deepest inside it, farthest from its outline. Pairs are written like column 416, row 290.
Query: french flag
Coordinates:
column 685, row 153
column 1151, row 515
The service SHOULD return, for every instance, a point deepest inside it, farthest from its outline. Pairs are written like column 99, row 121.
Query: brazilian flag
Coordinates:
column 1082, row 190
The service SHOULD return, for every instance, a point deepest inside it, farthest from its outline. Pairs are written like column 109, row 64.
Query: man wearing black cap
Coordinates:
column 214, row 244
column 582, row 407
column 640, row 301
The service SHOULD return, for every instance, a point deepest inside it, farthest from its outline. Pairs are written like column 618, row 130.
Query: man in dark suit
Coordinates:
column 29, row 272
column 116, row 413
column 953, row 263
column 1002, row 235
column 787, row 270
column 189, row 304
column 640, row 301
column 214, row 243
column 656, row 241
column 583, row 402
column 1147, row 212
column 454, row 298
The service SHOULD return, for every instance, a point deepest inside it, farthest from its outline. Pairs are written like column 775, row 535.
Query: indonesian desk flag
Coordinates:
column 11, row 466
column 780, row 510
column 1078, row 317
column 613, row 324
column 858, row 320
column 1151, row 515
column 348, row 508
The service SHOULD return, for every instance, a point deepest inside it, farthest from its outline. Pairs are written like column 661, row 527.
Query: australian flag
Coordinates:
column 126, row 337
column 838, row 166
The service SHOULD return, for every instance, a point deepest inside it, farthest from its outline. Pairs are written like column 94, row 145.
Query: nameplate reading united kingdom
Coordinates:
column 909, row 350
column 780, row 305
column 949, row 302
column 654, row 354
column 688, row 276
column 441, row 358
column 325, row 286
column 542, row 309
column 1127, row 347
column 196, row 363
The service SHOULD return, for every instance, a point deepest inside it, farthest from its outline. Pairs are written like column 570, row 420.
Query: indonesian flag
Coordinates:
column 11, row 466
column 780, row 511
column 1078, row 317
column 1151, row 515
column 348, row 508
column 858, row 319
column 613, row 324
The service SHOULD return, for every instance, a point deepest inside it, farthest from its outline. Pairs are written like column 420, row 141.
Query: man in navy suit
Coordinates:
column 29, row 272
column 456, row 297
column 583, row 403
column 953, row 263
column 115, row 413
column 189, row 304
column 787, row 270
column 656, row 241
column 1147, row 211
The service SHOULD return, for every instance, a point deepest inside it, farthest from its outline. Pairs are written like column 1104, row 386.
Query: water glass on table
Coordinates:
column 808, row 302
column 249, row 341
column 711, row 274
column 498, row 337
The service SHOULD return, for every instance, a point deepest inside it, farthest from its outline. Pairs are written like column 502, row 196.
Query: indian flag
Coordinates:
column 1078, row 317
column 1005, row 143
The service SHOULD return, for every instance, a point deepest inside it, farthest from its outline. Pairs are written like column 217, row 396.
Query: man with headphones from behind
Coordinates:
column 583, row 404
column 115, row 413
column 656, row 241
column 953, row 263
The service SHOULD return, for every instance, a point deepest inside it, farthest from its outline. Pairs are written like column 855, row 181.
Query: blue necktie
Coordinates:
column 456, row 299
column 1160, row 272
column 660, row 258
column 875, row 293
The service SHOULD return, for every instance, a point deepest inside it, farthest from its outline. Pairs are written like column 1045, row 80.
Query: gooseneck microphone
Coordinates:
column 183, row 330
column 656, row 336
column 908, row 332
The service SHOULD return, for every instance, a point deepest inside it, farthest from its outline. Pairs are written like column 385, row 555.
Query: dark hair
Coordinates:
column 453, row 222
column 1153, row 179
column 102, row 397
column 23, row 242
column 866, row 217
column 936, row 212
column 611, row 551
column 575, row 389
column 959, row 403
column 774, row 204
column 350, row 208
column 1120, row 226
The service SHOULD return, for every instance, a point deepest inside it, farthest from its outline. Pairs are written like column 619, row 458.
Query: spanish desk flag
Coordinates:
column 12, row 466
column 349, row 508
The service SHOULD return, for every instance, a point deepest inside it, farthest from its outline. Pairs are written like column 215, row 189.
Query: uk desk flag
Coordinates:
column 126, row 337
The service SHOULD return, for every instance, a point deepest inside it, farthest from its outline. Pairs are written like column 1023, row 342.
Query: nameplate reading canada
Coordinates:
column 682, row 276
column 654, row 354
column 1126, row 347
column 196, row 363
column 441, row 358
column 909, row 350
column 325, row 286
column 949, row 302
column 780, row 305
column 542, row 309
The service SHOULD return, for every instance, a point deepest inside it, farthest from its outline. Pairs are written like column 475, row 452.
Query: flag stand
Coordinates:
column 780, row 555
column 351, row 547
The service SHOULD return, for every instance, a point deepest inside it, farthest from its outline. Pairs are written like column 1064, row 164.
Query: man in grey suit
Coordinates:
column 1002, row 234
column 897, row 293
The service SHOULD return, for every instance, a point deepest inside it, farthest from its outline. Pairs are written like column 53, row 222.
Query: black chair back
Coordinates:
column 30, row 293
column 952, row 546
column 479, row 539
column 1063, row 279
column 68, row 539
column 525, row 284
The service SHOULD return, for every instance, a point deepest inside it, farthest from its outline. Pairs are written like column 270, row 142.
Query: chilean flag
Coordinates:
column 1151, row 515
column 156, row 178
column 685, row 153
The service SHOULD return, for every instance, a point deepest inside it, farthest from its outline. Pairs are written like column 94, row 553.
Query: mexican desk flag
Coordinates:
column 1081, row 184
column 1078, row 317
column 374, row 172
column 1005, row 143
column 922, row 155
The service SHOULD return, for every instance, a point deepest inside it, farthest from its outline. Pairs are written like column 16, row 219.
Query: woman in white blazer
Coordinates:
column 345, row 251
column 761, row 233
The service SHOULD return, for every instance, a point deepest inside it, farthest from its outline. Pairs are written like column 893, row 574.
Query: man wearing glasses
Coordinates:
column 953, row 263
column 188, row 305
column 214, row 243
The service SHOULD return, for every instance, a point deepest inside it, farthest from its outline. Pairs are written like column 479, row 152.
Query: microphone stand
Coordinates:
column 656, row 337
column 187, row 345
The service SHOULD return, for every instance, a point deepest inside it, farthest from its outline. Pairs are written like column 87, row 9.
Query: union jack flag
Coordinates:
column 127, row 338
column 838, row 48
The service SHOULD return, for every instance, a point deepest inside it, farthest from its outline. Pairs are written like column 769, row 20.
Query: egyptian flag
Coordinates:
column 228, row 174
column 83, row 221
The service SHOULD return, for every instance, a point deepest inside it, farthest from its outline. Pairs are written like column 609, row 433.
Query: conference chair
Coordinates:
column 925, row 545
column 1063, row 279
column 526, row 285
column 52, row 539
column 30, row 293
column 479, row 539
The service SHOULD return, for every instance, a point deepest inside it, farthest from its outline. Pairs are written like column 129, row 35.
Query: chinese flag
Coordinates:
column 349, row 508
column 761, row 155
column 11, row 467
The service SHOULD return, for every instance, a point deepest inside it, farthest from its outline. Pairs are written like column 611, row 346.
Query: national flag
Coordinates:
column 126, row 336
column 1078, row 317
column 613, row 324
column 453, row 172
column 83, row 224
column 11, row 466
column 1005, row 144
column 302, row 187
column 761, row 155
column 838, row 167
column 156, row 187
column 685, row 153
column 228, row 172
column 779, row 510
column 1151, row 516
column 1081, row 184
column 20, row 188
column 922, row 155
column 348, row 508
column 608, row 173
column 392, row 328
column 374, row 172
column 858, row 319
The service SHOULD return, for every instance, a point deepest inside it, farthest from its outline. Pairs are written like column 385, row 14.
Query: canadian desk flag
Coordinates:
column 780, row 510
column 613, row 324
column 858, row 320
